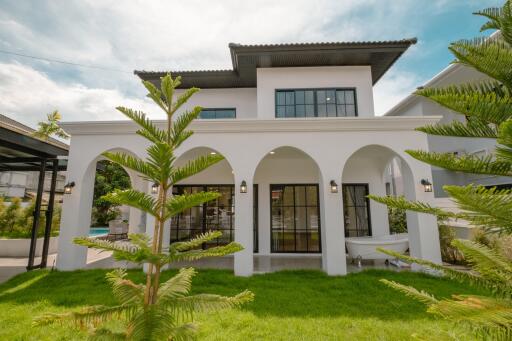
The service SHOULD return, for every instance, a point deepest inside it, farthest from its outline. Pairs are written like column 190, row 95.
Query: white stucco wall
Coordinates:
column 270, row 79
column 243, row 99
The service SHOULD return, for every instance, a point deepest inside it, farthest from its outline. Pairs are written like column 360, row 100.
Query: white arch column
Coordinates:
column 422, row 228
column 244, row 234
column 136, row 225
column 76, row 213
column 334, row 261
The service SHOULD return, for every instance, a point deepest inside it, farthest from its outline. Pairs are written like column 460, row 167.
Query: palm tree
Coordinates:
column 50, row 127
column 154, row 310
column 487, row 107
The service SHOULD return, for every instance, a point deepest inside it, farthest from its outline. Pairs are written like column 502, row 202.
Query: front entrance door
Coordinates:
column 356, row 209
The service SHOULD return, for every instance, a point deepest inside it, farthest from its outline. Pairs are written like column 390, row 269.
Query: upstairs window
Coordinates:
column 316, row 103
column 217, row 113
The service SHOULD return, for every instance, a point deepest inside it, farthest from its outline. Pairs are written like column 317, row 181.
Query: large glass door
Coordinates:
column 216, row 215
column 295, row 219
column 356, row 208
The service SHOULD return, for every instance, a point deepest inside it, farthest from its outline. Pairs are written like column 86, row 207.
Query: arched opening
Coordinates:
column 216, row 215
column 106, row 220
column 288, row 212
column 373, row 169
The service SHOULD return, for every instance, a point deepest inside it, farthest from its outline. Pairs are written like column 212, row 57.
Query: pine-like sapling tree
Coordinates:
column 154, row 310
column 487, row 105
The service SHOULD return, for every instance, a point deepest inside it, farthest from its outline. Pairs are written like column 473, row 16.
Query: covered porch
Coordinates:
column 292, row 190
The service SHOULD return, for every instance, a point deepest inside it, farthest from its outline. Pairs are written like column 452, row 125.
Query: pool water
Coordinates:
column 98, row 231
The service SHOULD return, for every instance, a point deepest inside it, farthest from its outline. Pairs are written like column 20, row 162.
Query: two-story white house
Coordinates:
column 302, row 148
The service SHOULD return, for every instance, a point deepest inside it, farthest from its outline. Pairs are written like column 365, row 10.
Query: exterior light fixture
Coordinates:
column 154, row 188
column 334, row 187
column 213, row 153
column 68, row 188
column 272, row 152
column 243, row 187
column 426, row 185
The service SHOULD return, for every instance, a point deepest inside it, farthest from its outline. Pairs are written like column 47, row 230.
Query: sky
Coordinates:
column 113, row 38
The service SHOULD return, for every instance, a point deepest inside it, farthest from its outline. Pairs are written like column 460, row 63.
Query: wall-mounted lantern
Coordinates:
column 243, row 187
column 154, row 188
column 426, row 185
column 68, row 188
column 334, row 187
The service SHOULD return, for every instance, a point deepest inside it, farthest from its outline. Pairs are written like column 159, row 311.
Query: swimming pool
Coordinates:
column 98, row 231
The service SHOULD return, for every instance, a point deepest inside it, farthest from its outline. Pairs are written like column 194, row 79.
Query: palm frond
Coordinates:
column 178, row 286
column 488, row 208
column 209, row 302
column 421, row 296
column 416, row 206
column 465, row 163
column 195, row 242
column 461, row 276
column 149, row 130
column 194, row 167
column 489, row 263
column 161, row 158
column 179, row 203
column 155, row 95
column 499, row 19
column 459, row 129
column 133, row 198
column 183, row 98
column 491, row 57
column 485, row 102
column 216, row 251
column 487, row 317
column 178, row 131
column 125, row 290
column 88, row 316
column 121, row 250
column 147, row 170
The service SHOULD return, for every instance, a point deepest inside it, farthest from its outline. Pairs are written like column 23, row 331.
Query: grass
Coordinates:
column 289, row 305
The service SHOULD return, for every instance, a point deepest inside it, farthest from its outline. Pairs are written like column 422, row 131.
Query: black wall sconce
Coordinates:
column 243, row 187
column 154, row 188
column 68, row 188
column 334, row 187
column 426, row 185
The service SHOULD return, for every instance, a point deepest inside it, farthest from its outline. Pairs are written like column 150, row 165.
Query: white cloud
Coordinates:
column 391, row 89
column 27, row 95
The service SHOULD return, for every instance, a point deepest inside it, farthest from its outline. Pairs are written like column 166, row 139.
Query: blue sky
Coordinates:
column 193, row 34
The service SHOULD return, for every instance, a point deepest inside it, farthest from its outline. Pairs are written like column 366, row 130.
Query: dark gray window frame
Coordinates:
column 315, row 99
column 217, row 109
column 368, row 211
column 272, row 250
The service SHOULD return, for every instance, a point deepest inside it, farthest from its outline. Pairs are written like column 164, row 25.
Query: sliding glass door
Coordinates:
column 356, row 208
column 295, row 219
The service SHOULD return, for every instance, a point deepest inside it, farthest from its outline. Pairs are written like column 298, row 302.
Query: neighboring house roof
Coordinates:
column 380, row 55
column 396, row 110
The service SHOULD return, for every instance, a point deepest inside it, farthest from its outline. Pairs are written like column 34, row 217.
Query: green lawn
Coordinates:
column 290, row 305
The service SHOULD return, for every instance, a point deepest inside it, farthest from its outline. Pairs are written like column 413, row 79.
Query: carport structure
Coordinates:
column 20, row 151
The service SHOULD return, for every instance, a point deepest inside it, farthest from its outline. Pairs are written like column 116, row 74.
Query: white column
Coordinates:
column 334, row 261
column 135, row 218
column 76, row 214
column 244, row 264
column 378, row 212
column 264, row 218
column 422, row 228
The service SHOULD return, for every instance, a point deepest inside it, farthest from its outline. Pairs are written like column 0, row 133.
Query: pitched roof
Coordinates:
column 380, row 55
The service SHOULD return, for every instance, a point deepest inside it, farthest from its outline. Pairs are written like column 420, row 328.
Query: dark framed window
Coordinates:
column 217, row 113
column 356, row 210
column 316, row 103
column 295, row 219
column 255, row 218
column 216, row 215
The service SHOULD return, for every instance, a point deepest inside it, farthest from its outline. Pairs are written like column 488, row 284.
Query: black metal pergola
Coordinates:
column 19, row 151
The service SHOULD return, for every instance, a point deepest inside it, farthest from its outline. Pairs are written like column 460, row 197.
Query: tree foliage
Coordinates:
column 50, row 127
column 109, row 177
column 154, row 310
column 487, row 111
